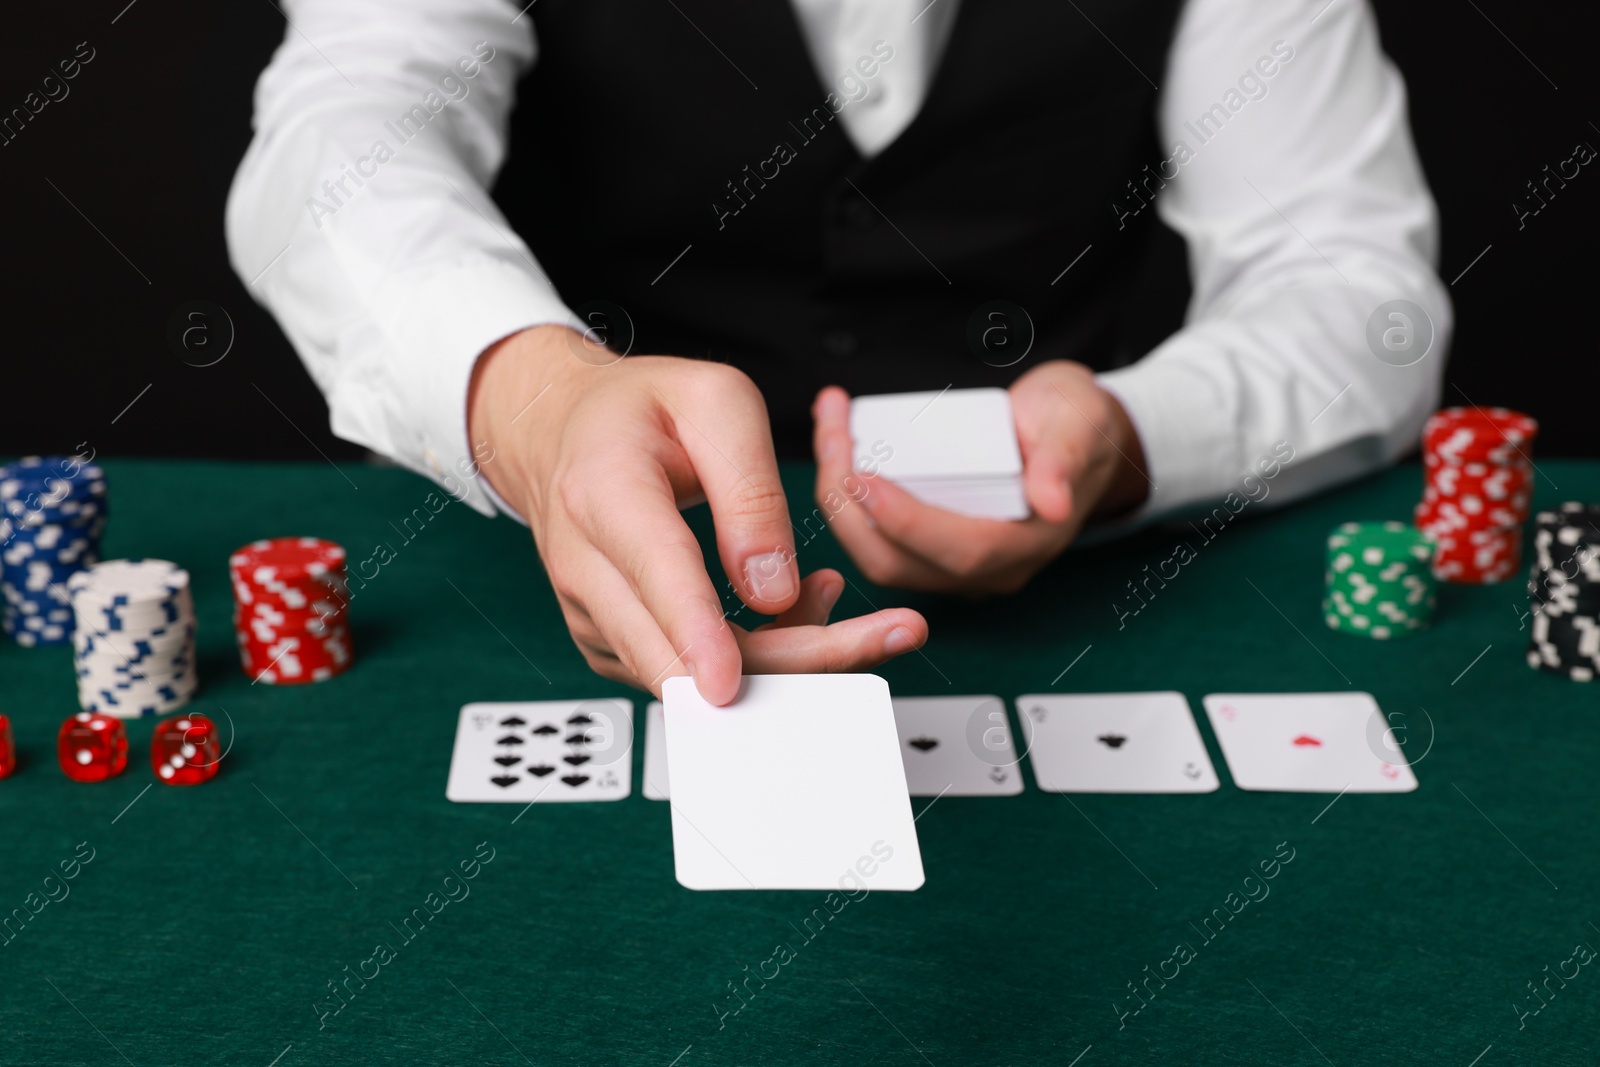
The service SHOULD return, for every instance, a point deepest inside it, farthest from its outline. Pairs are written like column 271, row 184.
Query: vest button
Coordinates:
column 839, row 342
column 859, row 215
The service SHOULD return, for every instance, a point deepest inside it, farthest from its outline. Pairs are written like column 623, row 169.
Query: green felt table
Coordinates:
column 210, row 922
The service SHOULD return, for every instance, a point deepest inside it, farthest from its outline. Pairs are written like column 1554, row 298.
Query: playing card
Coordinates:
column 797, row 784
column 1115, row 743
column 957, row 746
column 1308, row 743
column 545, row 751
column 959, row 433
column 955, row 449
column 655, row 752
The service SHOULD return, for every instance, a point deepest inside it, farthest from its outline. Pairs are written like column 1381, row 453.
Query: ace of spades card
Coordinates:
column 1115, row 743
column 957, row 746
column 542, row 751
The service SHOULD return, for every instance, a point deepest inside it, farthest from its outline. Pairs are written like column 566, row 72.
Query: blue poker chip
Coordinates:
column 52, row 515
column 78, row 514
column 33, row 471
column 53, row 490
column 46, row 533
column 37, row 511
column 45, row 612
column 54, row 505
column 32, row 601
column 40, row 568
column 76, row 553
column 42, row 636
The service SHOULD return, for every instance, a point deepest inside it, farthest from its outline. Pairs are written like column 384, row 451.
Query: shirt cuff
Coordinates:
column 1186, row 429
column 468, row 307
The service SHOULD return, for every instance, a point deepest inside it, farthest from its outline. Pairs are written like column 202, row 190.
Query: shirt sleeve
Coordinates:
column 360, row 216
column 1294, row 181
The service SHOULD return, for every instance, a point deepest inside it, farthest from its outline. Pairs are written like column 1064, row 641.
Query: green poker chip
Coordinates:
column 1379, row 579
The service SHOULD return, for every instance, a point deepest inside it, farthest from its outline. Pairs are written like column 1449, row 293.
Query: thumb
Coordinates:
column 1047, row 480
column 1050, row 453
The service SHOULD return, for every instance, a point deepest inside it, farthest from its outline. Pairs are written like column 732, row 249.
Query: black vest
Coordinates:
column 635, row 140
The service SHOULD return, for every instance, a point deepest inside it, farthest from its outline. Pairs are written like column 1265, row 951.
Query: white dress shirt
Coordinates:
column 391, row 271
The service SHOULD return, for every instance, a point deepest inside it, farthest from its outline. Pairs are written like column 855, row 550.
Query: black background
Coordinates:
column 146, row 143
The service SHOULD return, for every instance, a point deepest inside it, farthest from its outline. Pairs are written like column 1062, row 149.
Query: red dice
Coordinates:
column 8, row 749
column 92, row 747
column 185, row 750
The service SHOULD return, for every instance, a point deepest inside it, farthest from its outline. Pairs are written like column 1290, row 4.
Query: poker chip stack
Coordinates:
column 1564, row 592
column 291, row 610
column 133, row 637
column 1379, row 582
column 1477, row 483
column 54, row 511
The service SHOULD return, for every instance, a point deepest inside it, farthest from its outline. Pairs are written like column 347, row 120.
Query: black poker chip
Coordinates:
column 1564, row 592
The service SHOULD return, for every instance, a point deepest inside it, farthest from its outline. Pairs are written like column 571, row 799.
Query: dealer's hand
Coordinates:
column 599, row 456
column 1081, row 458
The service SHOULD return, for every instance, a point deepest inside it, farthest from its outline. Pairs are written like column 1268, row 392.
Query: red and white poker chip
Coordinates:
column 291, row 617
column 1477, row 489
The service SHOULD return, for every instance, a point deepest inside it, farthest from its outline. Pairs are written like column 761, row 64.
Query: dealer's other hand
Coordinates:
column 1081, row 459
column 599, row 453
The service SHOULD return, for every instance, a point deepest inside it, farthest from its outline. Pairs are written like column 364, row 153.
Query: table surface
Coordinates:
column 211, row 923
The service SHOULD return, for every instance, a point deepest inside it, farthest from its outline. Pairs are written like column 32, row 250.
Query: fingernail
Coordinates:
column 830, row 599
column 900, row 640
column 770, row 577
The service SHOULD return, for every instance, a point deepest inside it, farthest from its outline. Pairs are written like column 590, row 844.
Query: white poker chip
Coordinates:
column 134, row 637
column 129, row 582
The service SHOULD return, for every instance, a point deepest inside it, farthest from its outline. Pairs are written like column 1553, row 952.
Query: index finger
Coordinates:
column 637, row 526
column 723, row 428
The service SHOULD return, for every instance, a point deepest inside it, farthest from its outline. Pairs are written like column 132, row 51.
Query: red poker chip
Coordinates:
column 290, row 557
column 267, row 619
column 291, row 617
column 1463, row 434
column 1477, row 489
column 295, row 660
column 290, row 571
column 1503, row 423
column 333, row 648
column 331, row 643
column 1468, row 513
column 1437, row 468
column 332, row 651
column 1477, row 556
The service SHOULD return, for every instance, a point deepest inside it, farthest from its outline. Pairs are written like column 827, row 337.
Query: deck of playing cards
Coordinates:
column 797, row 784
column 956, row 450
